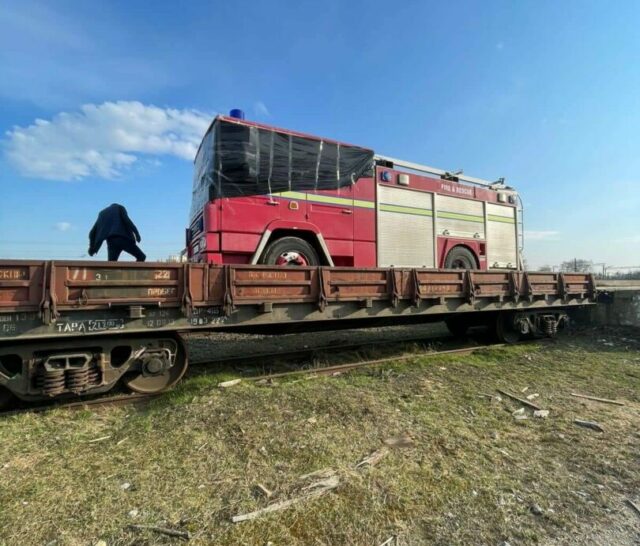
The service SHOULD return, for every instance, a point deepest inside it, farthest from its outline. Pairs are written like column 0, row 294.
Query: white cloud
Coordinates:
column 63, row 226
column 261, row 110
column 541, row 235
column 103, row 140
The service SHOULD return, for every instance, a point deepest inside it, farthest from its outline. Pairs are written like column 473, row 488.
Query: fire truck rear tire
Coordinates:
column 290, row 251
column 460, row 257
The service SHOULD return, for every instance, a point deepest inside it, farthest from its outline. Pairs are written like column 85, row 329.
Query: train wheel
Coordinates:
column 460, row 257
column 290, row 251
column 155, row 376
column 505, row 329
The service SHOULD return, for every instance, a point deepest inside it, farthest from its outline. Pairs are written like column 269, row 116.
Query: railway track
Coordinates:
column 110, row 400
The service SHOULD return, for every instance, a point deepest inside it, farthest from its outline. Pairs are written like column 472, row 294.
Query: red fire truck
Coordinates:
column 264, row 195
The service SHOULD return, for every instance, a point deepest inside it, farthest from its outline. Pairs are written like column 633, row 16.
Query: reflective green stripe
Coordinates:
column 315, row 198
column 327, row 199
column 364, row 204
column 460, row 216
column 290, row 195
column 387, row 207
column 504, row 219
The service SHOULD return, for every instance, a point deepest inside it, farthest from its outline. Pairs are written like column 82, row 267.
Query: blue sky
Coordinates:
column 546, row 94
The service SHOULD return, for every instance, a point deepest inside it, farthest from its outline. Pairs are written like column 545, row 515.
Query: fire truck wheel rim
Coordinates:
column 292, row 258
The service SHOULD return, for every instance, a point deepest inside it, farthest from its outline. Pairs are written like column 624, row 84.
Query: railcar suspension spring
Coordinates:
column 80, row 379
column 51, row 382
column 94, row 377
column 550, row 326
column 77, row 379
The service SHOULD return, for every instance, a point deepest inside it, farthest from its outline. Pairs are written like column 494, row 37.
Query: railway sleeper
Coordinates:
column 42, row 371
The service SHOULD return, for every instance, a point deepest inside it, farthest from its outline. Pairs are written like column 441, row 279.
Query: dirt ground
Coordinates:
column 450, row 459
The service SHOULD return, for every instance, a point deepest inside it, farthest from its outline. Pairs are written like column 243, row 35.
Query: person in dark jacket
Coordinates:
column 114, row 226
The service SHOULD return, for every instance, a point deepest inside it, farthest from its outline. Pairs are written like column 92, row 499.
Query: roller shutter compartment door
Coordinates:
column 405, row 227
column 459, row 217
column 502, row 249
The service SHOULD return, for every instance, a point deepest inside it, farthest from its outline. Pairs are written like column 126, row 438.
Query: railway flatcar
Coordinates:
column 69, row 328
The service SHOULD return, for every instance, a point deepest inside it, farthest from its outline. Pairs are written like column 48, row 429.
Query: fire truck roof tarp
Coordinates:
column 237, row 159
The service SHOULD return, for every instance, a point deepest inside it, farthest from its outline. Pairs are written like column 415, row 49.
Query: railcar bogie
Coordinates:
column 49, row 369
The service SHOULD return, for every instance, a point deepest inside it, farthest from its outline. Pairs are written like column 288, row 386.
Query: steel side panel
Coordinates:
column 78, row 298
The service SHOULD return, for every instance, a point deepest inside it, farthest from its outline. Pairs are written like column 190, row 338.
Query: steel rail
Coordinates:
column 339, row 368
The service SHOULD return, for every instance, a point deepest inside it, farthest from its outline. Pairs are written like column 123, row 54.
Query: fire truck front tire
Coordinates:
column 460, row 257
column 290, row 251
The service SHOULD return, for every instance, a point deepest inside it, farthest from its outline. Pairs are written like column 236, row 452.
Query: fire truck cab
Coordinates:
column 273, row 196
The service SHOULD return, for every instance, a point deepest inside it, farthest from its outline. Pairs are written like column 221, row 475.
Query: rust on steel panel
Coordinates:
column 346, row 284
column 286, row 284
column 21, row 284
column 440, row 283
column 29, row 285
column 83, row 284
column 494, row 283
column 577, row 283
column 543, row 283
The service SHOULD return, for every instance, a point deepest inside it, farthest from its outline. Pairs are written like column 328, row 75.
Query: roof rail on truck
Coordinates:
column 446, row 175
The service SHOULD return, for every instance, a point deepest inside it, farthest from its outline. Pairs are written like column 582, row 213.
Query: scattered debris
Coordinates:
column 120, row 442
column 404, row 440
column 519, row 414
column 533, row 396
column 133, row 513
column 322, row 483
column 541, row 414
column 596, row 399
column 523, row 402
column 99, row 543
column 393, row 539
column 230, row 383
column 312, row 420
column 486, row 395
column 633, row 506
column 125, row 486
column 162, row 530
column 374, row 458
column 102, row 439
column 588, row 424
column 324, row 473
column 263, row 491
column 328, row 485
column 537, row 510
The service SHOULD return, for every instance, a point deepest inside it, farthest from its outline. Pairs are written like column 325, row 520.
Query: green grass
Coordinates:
column 194, row 456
